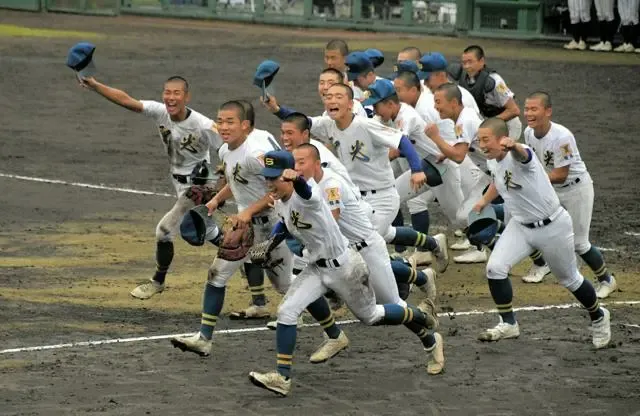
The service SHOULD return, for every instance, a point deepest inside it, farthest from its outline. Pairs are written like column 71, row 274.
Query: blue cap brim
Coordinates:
column 371, row 101
column 352, row 76
column 272, row 173
column 424, row 74
column 434, row 175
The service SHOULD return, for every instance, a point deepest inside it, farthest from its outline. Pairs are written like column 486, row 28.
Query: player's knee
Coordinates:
column 288, row 313
column 497, row 270
column 280, row 281
column 572, row 282
column 215, row 277
column 372, row 315
column 582, row 247
column 388, row 234
column 163, row 233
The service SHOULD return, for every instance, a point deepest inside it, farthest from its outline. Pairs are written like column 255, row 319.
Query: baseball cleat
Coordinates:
column 601, row 330
column 420, row 258
column 582, row 45
column 637, row 50
column 435, row 356
column 501, row 331
column 573, row 45
column 463, row 243
column 147, row 290
column 459, row 233
column 193, row 343
column 330, row 348
column 252, row 312
column 428, row 308
column 597, row 46
column 272, row 381
column 625, row 47
column 604, row 289
column 441, row 253
column 429, row 288
column 472, row 256
column 536, row 274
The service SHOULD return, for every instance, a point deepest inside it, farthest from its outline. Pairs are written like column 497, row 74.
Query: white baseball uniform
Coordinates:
column 186, row 142
column 557, row 149
column 243, row 171
column 363, row 148
column 499, row 97
column 579, row 11
column 628, row 10
column 468, row 101
column 538, row 221
column 332, row 264
column 358, row 109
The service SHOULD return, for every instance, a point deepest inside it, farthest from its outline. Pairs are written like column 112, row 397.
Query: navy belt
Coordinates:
column 181, row 178
column 260, row 220
column 359, row 246
column 364, row 193
column 576, row 181
column 538, row 224
column 327, row 263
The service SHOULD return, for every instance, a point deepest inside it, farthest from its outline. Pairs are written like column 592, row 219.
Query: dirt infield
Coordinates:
column 70, row 255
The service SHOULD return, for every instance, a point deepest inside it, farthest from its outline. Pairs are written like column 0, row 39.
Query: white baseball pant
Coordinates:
column 579, row 11
column 604, row 9
column 385, row 204
column 628, row 10
column 554, row 240
column 578, row 201
column 381, row 277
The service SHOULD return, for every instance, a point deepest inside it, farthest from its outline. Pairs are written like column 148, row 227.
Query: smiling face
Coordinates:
column 489, row 143
column 279, row 189
column 231, row 129
column 291, row 136
column 306, row 164
column 338, row 103
column 443, row 106
column 385, row 109
column 471, row 64
column 406, row 94
column 326, row 80
column 175, row 97
column 536, row 114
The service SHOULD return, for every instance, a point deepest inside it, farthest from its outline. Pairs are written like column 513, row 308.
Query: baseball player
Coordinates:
column 335, row 56
column 580, row 15
column 242, row 158
column 555, row 147
column 331, row 76
column 363, row 144
column 188, row 138
column 538, row 222
column 628, row 10
column 332, row 265
column 607, row 26
column 410, row 53
column 489, row 90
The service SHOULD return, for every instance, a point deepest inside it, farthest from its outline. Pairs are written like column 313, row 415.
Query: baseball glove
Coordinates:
column 235, row 242
column 260, row 254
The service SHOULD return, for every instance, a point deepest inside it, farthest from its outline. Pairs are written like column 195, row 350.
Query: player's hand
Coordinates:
column 507, row 143
column 212, row 205
column 479, row 206
column 288, row 175
column 271, row 104
column 417, row 180
column 272, row 203
column 441, row 158
column 432, row 130
column 88, row 82
column 394, row 154
column 242, row 220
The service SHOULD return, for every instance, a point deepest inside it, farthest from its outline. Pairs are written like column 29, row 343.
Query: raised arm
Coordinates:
column 113, row 94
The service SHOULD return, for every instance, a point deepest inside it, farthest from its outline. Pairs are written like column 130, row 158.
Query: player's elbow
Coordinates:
column 513, row 109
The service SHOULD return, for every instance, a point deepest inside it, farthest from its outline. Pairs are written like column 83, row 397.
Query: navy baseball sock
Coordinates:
column 285, row 344
column 211, row 307
column 407, row 236
column 595, row 261
column 428, row 340
column 164, row 256
column 255, row 279
column 499, row 209
column 321, row 312
column 398, row 221
column 586, row 295
column 575, row 32
column 537, row 259
column 405, row 274
column 420, row 222
column 395, row 315
column 502, row 294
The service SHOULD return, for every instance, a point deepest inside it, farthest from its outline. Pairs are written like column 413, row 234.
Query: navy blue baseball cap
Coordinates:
column 80, row 59
column 431, row 62
column 265, row 73
column 380, row 90
column 375, row 56
column 401, row 66
column 483, row 225
column 357, row 63
column 275, row 162
column 434, row 172
column 196, row 224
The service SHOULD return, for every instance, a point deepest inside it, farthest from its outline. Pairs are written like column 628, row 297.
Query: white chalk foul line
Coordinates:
column 264, row 328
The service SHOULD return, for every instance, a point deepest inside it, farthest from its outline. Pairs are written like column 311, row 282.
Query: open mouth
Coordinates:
column 333, row 110
column 171, row 107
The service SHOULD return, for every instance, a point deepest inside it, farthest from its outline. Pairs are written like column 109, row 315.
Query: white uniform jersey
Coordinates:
column 500, row 93
column 468, row 101
column 358, row 109
column 186, row 142
column 412, row 125
column 363, row 148
column 243, row 169
column 310, row 222
column 354, row 219
column 329, row 160
column 264, row 136
column 525, row 187
column 467, row 132
column 557, row 149
column 426, row 108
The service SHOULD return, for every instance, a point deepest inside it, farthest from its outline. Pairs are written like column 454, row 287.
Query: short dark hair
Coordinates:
column 337, row 45
column 451, row 91
column 345, row 87
column 394, row 99
column 314, row 150
column 249, row 112
column 179, row 78
column 410, row 78
column 413, row 50
column 237, row 106
column 476, row 49
column 300, row 120
column 543, row 96
column 497, row 125
column 335, row 72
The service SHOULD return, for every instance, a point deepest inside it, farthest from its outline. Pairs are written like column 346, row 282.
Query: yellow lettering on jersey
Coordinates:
column 237, row 175
column 357, row 151
column 333, row 194
column 508, row 181
column 297, row 222
column 548, row 158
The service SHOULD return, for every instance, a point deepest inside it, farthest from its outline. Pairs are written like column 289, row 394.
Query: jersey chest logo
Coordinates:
column 508, row 181
column 548, row 158
column 189, row 143
column 357, row 152
column 297, row 221
column 237, row 176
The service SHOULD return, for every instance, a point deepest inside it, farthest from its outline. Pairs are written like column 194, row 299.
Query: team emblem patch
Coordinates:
column 395, row 68
column 566, row 151
column 502, row 88
column 458, row 130
column 333, row 194
column 366, row 94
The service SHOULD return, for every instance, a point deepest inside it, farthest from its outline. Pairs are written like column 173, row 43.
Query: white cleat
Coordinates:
column 625, row 47
column 501, row 331
column 606, row 47
column 461, row 245
column 536, row 274
column 582, row 45
column 596, row 47
column 252, row 312
column 459, row 233
column 601, row 330
column 441, row 253
column 572, row 46
column 435, row 356
column 637, row 50
column 147, row 290
column 421, row 258
column 604, row 289
column 193, row 343
column 472, row 256
column 330, row 348
column 429, row 288
column 428, row 308
column 272, row 381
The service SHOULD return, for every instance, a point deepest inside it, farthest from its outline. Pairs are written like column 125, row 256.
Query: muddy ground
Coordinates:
column 69, row 255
